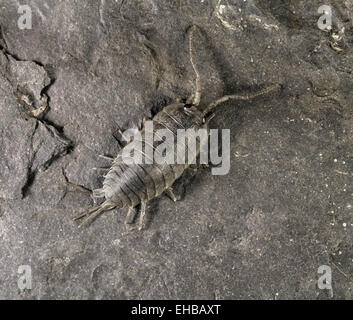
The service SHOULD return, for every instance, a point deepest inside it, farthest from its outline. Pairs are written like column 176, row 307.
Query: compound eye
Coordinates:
column 187, row 106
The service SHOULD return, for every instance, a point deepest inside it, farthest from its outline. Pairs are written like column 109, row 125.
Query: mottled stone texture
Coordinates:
column 260, row 232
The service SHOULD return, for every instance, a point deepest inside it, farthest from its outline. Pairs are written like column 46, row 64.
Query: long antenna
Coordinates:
column 211, row 106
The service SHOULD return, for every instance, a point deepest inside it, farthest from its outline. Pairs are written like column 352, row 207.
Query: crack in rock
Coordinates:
column 28, row 143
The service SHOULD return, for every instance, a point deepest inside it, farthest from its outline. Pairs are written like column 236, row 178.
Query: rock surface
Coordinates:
column 260, row 232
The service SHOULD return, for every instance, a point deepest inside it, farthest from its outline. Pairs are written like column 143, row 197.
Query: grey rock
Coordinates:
column 27, row 143
column 29, row 78
column 260, row 232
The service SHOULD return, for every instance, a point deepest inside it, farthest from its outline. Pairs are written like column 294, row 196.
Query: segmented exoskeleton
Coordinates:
column 128, row 185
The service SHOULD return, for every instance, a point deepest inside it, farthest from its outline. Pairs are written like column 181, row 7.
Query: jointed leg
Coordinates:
column 171, row 194
column 130, row 216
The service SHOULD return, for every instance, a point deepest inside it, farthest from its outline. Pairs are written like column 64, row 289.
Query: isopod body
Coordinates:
column 127, row 185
